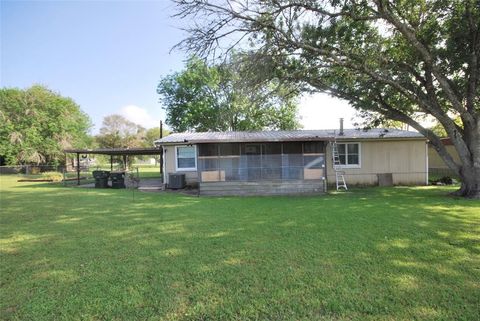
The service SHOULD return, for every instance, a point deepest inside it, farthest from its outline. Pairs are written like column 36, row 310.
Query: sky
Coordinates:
column 109, row 56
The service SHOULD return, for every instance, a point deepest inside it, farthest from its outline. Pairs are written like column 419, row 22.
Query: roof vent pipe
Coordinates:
column 340, row 133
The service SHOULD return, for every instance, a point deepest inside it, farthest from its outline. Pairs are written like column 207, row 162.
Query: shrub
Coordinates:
column 54, row 176
column 446, row 180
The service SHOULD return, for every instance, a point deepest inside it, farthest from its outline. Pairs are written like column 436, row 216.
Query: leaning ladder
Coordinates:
column 339, row 174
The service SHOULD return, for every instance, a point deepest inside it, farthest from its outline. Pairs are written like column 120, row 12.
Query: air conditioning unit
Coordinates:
column 176, row 181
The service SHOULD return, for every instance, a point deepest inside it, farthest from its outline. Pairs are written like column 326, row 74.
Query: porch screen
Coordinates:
column 261, row 161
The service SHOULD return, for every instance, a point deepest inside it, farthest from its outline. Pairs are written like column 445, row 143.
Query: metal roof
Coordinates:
column 117, row 151
column 282, row 136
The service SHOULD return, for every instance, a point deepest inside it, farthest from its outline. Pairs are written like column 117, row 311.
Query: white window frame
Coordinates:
column 186, row 169
column 359, row 165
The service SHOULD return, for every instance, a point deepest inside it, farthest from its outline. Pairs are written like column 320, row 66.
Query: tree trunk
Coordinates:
column 470, row 187
column 469, row 171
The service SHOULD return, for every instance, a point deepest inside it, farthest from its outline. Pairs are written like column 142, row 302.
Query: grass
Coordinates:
column 369, row 254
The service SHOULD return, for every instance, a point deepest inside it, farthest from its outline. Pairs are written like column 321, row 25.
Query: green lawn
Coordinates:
column 369, row 254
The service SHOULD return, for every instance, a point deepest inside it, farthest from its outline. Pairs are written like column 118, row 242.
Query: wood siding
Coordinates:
column 405, row 159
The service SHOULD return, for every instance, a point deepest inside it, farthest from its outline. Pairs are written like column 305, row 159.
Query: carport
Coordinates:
column 123, row 152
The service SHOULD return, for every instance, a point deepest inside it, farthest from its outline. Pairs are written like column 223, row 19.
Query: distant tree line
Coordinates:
column 37, row 124
column 119, row 132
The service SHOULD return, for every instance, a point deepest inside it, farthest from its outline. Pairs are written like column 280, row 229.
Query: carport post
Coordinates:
column 161, row 149
column 78, row 168
column 111, row 163
column 161, row 160
column 125, row 162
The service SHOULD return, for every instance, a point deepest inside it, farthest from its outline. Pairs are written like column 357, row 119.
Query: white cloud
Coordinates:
column 139, row 116
column 320, row 111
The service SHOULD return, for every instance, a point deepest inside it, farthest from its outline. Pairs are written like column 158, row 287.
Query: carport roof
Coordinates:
column 117, row 151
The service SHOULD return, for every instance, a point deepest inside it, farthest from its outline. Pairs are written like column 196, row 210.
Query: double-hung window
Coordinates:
column 186, row 158
column 349, row 154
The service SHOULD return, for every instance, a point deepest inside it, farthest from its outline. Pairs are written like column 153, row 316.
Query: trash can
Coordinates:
column 101, row 178
column 118, row 179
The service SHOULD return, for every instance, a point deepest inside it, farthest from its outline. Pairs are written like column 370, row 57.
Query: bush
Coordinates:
column 445, row 180
column 54, row 176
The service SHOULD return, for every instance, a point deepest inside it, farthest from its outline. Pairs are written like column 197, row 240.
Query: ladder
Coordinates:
column 339, row 174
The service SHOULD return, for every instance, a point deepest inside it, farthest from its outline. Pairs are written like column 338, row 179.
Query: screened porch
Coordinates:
column 250, row 162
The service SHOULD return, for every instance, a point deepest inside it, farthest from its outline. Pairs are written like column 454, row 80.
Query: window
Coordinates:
column 349, row 154
column 186, row 158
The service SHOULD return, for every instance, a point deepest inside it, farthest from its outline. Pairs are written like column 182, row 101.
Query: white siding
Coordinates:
column 405, row 159
column 169, row 163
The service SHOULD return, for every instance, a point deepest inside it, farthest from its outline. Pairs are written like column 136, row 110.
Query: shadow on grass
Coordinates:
column 397, row 253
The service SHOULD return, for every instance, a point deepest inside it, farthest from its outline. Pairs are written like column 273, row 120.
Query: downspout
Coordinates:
column 325, row 166
column 426, row 163
column 164, row 150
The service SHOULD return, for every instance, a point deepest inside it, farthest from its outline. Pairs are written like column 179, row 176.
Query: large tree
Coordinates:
column 119, row 132
column 153, row 134
column 390, row 59
column 37, row 124
column 204, row 97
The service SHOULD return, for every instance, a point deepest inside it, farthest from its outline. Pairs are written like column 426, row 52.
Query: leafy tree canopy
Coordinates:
column 439, row 130
column 37, row 124
column 396, row 60
column 217, row 98
column 119, row 132
column 152, row 135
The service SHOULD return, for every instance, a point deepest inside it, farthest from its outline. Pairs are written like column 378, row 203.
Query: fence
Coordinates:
column 31, row 169
column 69, row 174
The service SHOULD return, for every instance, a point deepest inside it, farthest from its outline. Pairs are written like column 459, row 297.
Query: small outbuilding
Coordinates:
column 293, row 162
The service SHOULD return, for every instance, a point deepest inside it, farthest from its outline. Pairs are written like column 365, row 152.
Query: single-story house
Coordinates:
column 436, row 165
column 288, row 162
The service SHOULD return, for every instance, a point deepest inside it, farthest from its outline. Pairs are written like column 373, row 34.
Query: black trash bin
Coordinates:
column 118, row 179
column 101, row 178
